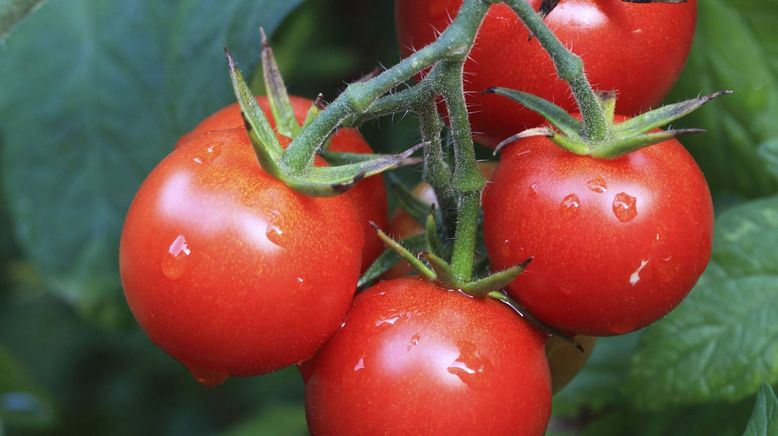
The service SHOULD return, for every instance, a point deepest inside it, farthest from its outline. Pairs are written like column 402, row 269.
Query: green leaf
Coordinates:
column 276, row 420
column 764, row 420
column 741, row 58
column 598, row 384
column 13, row 11
column 22, row 402
column 769, row 153
column 722, row 342
column 94, row 95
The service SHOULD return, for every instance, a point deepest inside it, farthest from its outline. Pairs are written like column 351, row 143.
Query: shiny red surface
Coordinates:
column 230, row 271
column 636, row 49
column 616, row 243
column 415, row 359
column 369, row 195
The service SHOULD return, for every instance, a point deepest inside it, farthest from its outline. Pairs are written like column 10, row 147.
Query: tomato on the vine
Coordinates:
column 230, row 271
column 616, row 243
column 412, row 358
column 635, row 49
column 368, row 196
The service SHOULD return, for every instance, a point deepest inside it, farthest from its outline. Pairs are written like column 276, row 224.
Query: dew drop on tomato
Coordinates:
column 470, row 366
column 209, row 154
column 175, row 258
column 360, row 364
column 386, row 322
column 625, row 207
column 570, row 206
column 533, row 190
column 597, row 185
column 273, row 231
column 210, row 378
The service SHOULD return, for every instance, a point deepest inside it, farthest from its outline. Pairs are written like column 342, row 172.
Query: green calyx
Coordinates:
column 434, row 268
column 295, row 165
column 618, row 139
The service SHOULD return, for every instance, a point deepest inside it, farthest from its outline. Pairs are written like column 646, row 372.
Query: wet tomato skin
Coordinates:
column 230, row 271
column 415, row 359
column 368, row 196
column 639, row 50
column 616, row 244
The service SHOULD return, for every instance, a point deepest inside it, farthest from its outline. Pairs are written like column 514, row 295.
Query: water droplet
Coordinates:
column 657, row 236
column 414, row 341
column 533, row 190
column 634, row 278
column 300, row 279
column 625, row 207
column 620, row 329
column 471, row 368
column 360, row 365
column 273, row 231
column 175, row 259
column 505, row 249
column 387, row 321
column 597, row 185
column 211, row 152
column 208, row 377
column 668, row 258
column 570, row 206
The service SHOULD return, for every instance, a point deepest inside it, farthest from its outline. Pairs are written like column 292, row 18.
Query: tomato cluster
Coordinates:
column 635, row 49
column 235, row 274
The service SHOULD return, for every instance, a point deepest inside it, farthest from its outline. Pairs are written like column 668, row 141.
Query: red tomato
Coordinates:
column 369, row 195
column 636, row 49
column 617, row 243
column 414, row 359
column 230, row 271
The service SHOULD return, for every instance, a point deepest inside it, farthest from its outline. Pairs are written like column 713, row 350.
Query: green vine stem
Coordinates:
column 454, row 43
column 458, row 193
column 468, row 180
column 569, row 68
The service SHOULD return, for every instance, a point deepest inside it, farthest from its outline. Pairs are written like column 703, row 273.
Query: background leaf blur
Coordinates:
column 95, row 93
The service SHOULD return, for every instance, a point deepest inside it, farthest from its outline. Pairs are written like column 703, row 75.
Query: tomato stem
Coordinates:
column 453, row 44
column 569, row 68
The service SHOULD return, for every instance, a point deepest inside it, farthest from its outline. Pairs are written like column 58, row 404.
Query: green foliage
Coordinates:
column 22, row 402
column 95, row 94
column 764, row 420
column 12, row 11
column 722, row 342
column 735, row 49
column 288, row 419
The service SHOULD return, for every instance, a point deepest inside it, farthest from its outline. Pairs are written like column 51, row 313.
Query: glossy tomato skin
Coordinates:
column 230, row 271
column 636, row 49
column 616, row 244
column 368, row 196
column 414, row 359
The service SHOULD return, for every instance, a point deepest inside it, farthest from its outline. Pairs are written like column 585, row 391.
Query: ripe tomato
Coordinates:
column 636, row 49
column 565, row 361
column 230, row 271
column 616, row 243
column 368, row 196
column 414, row 359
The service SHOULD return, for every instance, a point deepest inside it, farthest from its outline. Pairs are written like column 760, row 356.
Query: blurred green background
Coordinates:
column 94, row 93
